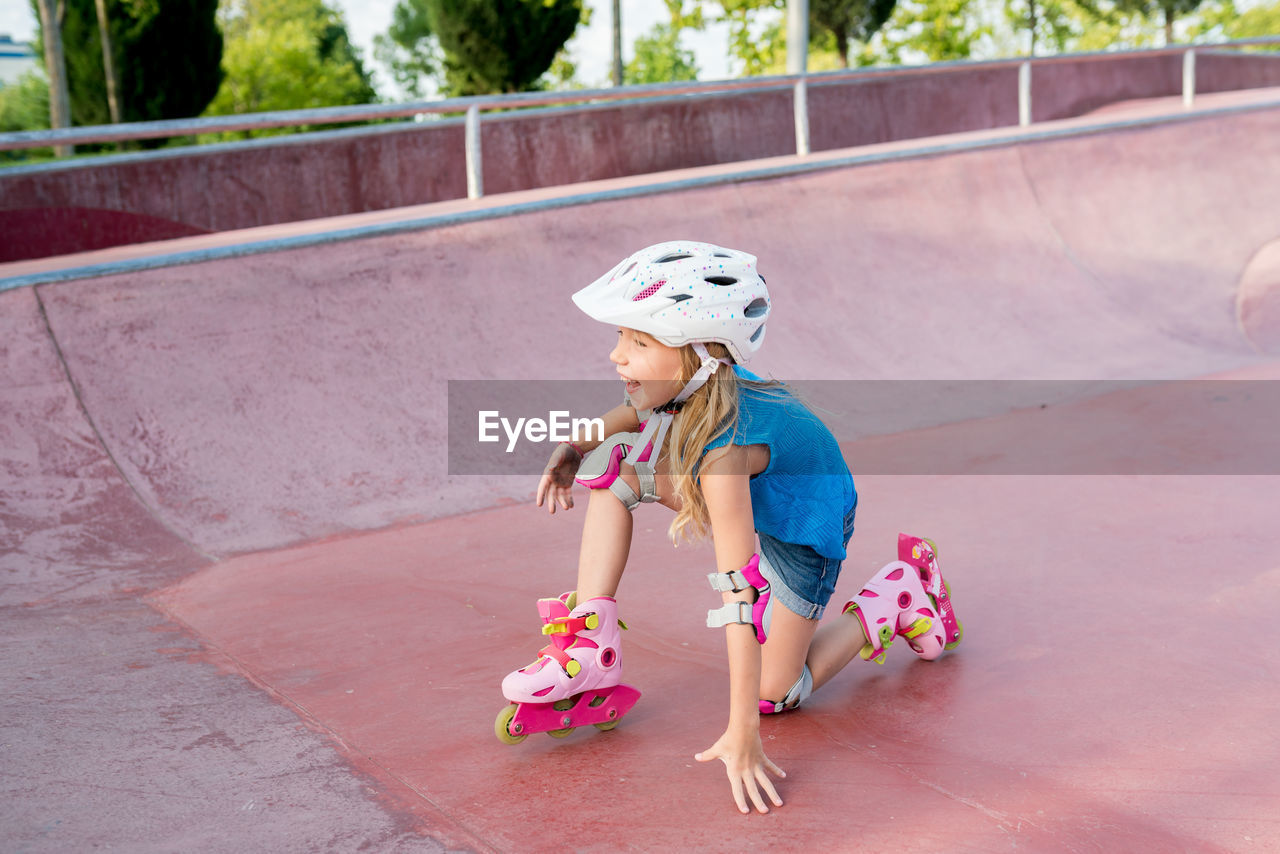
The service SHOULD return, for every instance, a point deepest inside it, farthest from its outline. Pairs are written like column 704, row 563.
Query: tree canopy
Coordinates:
column 286, row 55
column 848, row 20
column 660, row 58
column 168, row 55
column 939, row 30
column 494, row 46
column 24, row 105
column 409, row 50
column 1165, row 10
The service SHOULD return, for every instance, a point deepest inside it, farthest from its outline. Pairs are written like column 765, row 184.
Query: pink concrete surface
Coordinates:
column 255, row 448
column 306, row 177
column 1258, row 303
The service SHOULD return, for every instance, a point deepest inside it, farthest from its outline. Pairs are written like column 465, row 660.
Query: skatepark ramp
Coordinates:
column 252, row 432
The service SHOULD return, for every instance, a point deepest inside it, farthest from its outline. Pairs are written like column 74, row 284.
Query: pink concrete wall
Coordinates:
column 242, row 186
column 567, row 146
column 1074, row 87
column 307, row 177
column 1223, row 71
column 889, row 108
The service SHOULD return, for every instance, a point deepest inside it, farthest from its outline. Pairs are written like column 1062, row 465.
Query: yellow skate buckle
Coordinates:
column 571, row 625
column 870, row 653
column 918, row 628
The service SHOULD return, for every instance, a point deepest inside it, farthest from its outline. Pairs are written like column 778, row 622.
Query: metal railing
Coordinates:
column 473, row 107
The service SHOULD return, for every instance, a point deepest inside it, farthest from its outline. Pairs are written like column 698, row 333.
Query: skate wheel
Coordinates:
column 502, row 726
column 562, row 706
column 605, row 726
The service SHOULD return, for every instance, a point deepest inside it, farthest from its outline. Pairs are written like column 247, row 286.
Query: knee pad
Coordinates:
column 798, row 694
column 601, row 468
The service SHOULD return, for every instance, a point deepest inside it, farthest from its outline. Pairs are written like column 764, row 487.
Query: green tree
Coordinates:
column 757, row 36
column 1110, row 27
column 287, row 55
column 1224, row 20
column 500, row 45
column 1258, row 21
column 24, row 105
column 167, row 55
column 848, row 20
column 938, row 30
column 659, row 58
column 410, row 50
column 1160, row 11
column 1057, row 25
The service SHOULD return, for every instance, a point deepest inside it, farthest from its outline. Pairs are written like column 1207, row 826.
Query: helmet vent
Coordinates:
column 757, row 308
column 722, row 280
column 755, row 336
column 623, row 272
column 674, row 256
column 649, row 291
column 681, row 297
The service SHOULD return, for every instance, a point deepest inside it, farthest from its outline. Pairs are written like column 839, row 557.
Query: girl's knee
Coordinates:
column 625, row 486
column 775, row 685
column 627, row 474
column 782, row 699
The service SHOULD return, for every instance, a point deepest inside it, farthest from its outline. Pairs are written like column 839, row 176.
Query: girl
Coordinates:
column 738, row 458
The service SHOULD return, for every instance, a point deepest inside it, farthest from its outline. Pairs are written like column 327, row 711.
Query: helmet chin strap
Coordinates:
column 655, row 431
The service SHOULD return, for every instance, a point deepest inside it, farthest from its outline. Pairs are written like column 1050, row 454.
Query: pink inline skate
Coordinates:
column 908, row 597
column 577, row 678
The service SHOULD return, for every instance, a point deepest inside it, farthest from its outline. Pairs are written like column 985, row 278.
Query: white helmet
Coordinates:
column 682, row 292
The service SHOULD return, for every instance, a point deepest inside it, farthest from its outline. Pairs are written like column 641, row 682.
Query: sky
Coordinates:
column 591, row 48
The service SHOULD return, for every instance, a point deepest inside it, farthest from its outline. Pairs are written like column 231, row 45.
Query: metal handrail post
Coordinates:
column 1024, row 94
column 800, row 102
column 1189, row 78
column 475, row 163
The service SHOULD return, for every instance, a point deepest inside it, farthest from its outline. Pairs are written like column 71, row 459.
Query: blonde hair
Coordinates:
column 709, row 412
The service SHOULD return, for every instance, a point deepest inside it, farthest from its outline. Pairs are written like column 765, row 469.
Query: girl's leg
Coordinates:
column 795, row 642
column 782, row 658
column 606, row 542
column 835, row 645
column 606, row 534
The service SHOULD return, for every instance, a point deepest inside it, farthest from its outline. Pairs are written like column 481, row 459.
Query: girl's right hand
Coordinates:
column 746, row 764
column 557, row 478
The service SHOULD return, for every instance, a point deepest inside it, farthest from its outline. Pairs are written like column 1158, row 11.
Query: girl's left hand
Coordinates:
column 556, row 483
column 745, row 763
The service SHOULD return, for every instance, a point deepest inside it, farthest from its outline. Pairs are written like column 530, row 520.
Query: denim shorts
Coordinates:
column 798, row 576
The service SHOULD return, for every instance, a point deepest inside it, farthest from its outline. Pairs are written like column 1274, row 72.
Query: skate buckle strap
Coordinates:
column 728, row 614
column 567, row 664
column 571, row 625
column 732, row 581
column 917, row 628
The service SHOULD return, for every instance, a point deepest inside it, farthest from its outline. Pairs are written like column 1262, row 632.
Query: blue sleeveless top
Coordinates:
column 806, row 491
